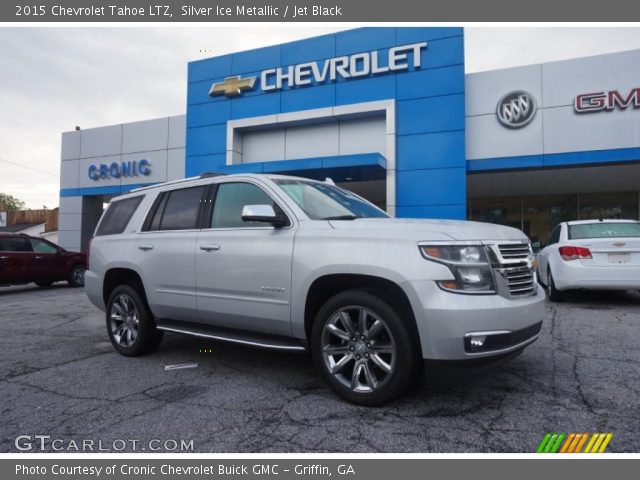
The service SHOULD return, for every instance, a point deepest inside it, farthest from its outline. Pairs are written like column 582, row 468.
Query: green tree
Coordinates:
column 10, row 203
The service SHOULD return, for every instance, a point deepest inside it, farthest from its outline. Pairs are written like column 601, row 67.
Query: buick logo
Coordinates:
column 516, row 109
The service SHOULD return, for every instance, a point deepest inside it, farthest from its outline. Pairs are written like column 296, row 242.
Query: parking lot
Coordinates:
column 59, row 376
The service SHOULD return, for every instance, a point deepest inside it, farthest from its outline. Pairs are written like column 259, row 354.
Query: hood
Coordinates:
column 454, row 229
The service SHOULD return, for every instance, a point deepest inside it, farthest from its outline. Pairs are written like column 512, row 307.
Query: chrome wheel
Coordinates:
column 78, row 275
column 124, row 320
column 358, row 349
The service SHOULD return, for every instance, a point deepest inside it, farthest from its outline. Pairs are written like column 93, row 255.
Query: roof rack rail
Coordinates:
column 154, row 185
column 211, row 175
column 199, row 177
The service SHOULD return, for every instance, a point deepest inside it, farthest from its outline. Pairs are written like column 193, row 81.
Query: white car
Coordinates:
column 591, row 254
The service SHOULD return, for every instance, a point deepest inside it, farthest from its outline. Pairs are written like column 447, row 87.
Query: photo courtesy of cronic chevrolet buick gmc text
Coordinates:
column 293, row 264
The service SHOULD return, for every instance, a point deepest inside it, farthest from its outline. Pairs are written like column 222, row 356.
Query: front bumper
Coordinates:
column 446, row 321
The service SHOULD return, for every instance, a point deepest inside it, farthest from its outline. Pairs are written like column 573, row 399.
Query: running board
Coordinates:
column 269, row 342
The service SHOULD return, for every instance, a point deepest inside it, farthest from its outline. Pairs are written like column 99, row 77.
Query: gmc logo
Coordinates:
column 598, row 101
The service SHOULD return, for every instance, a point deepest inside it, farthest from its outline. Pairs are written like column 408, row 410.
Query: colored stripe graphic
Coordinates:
column 592, row 440
column 574, row 442
column 606, row 441
column 581, row 443
column 568, row 442
column 543, row 443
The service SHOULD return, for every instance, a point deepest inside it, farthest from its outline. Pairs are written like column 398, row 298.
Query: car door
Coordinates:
column 14, row 259
column 543, row 256
column 46, row 261
column 165, row 253
column 243, row 269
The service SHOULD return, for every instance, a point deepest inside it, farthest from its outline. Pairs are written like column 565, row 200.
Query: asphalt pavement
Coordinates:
column 62, row 384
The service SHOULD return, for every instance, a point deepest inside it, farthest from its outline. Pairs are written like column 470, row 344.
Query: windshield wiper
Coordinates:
column 341, row 217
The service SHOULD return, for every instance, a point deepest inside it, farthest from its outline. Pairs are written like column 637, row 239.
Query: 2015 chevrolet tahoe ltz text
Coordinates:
column 289, row 263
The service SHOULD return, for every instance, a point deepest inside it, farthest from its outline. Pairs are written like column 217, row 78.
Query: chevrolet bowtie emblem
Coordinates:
column 232, row 86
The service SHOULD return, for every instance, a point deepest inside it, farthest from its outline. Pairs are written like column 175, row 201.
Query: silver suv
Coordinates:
column 294, row 264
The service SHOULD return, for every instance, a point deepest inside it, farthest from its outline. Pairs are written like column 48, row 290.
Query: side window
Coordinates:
column 152, row 222
column 117, row 216
column 554, row 236
column 181, row 209
column 230, row 200
column 14, row 244
column 40, row 246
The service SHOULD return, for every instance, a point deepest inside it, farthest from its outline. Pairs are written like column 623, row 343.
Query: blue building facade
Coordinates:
column 427, row 98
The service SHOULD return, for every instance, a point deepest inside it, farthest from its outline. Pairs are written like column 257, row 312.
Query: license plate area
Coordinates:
column 619, row 257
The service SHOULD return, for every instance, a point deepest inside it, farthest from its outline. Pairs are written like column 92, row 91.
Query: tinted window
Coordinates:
column 117, row 216
column 181, row 209
column 230, row 200
column 554, row 236
column 604, row 230
column 14, row 244
column 152, row 222
column 40, row 246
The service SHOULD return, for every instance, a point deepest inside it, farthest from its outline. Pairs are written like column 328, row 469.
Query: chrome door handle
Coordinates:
column 4, row 258
column 208, row 248
column 145, row 247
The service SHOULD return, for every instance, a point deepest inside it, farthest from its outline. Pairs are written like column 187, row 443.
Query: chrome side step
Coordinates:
column 233, row 336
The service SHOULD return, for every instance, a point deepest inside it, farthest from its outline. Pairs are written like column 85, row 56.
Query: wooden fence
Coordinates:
column 48, row 217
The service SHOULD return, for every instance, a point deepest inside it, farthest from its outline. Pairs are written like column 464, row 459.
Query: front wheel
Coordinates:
column 76, row 276
column 363, row 348
column 130, row 324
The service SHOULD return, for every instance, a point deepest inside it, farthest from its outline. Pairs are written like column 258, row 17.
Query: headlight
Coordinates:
column 469, row 265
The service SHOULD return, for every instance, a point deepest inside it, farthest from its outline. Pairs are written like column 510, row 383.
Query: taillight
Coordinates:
column 89, row 253
column 569, row 253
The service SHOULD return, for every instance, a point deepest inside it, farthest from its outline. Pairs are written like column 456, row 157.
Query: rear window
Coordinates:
column 604, row 230
column 14, row 244
column 117, row 216
column 176, row 210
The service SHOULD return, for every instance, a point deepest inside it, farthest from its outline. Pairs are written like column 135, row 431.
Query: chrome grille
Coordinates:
column 515, row 251
column 517, row 276
column 520, row 280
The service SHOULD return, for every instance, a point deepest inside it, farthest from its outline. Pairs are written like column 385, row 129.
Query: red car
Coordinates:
column 25, row 259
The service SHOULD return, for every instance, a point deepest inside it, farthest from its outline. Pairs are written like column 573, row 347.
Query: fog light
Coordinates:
column 477, row 342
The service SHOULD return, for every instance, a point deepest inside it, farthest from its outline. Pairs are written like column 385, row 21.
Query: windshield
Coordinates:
column 604, row 230
column 321, row 201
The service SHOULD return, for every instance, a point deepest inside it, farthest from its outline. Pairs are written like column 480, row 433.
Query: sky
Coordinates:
column 52, row 79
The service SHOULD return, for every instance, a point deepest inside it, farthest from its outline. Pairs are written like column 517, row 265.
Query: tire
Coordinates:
column 130, row 324
column 44, row 284
column 555, row 295
column 76, row 275
column 375, row 368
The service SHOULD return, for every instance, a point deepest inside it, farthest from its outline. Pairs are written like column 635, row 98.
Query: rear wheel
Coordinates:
column 555, row 295
column 130, row 324
column 362, row 348
column 76, row 276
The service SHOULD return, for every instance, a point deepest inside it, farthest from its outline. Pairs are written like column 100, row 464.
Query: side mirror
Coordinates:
column 263, row 214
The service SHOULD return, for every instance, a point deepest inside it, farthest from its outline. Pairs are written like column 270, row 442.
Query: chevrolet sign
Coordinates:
column 352, row 66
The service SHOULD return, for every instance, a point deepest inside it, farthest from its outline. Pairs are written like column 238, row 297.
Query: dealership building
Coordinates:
column 390, row 114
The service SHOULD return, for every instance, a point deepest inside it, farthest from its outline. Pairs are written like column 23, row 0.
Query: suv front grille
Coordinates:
column 518, row 251
column 515, row 269
column 520, row 280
